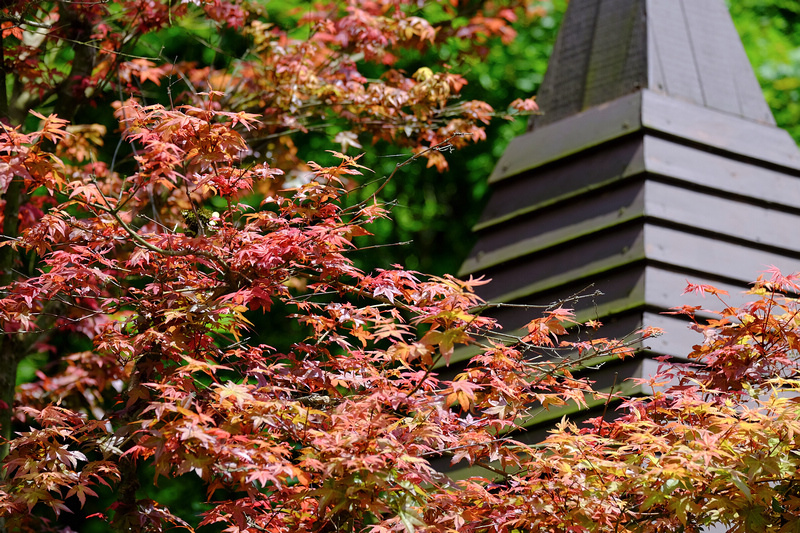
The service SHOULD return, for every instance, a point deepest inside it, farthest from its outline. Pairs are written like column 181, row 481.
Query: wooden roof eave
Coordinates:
column 653, row 112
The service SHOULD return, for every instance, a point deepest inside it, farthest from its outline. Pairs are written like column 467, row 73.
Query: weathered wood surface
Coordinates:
column 656, row 161
column 684, row 49
column 766, row 224
column 660, row 115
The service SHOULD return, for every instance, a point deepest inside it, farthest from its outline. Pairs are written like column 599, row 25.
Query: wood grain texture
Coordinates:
column 657, row 161
column 684, row 49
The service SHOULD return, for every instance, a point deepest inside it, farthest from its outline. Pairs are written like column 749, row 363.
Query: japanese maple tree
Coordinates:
column 299, row 71
column 160, row 252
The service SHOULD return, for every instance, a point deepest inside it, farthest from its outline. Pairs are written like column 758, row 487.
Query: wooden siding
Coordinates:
column 684, row 49
column 656, row 162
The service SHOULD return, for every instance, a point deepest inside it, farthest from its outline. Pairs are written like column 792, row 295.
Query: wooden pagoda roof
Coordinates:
column 685, row 49
column 655, row 161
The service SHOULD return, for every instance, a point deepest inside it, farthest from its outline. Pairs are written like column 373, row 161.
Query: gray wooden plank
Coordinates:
column 562, row 89
column 727, row 79
column 581, row 259
column 672, row 69
column 657, row 112
column 728, row 176
column 592, row 259
column 719, row 130
column 622, row 290
column 717, row 258
column 664, row 289
column 559, row 224
column 617, row 64
column 639, row 286
column 729, row 219
column 567, row 179
column 569, row 136
column 687, row 49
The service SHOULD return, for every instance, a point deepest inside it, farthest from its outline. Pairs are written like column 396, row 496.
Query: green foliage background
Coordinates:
column 437, row 211
column 770, row 31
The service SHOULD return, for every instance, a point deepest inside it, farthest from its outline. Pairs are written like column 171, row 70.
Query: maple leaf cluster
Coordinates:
column 309, row 69
column 162, row 254
column 337, row 429
column 342, row 429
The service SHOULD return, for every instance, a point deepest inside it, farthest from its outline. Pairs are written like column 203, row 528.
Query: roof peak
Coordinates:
column 686, row 49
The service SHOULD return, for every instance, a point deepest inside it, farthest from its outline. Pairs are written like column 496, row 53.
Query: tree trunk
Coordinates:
column 80, row 30
column 3, row 90
column 9, row 356
column 8, row 377
column 65, row 107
